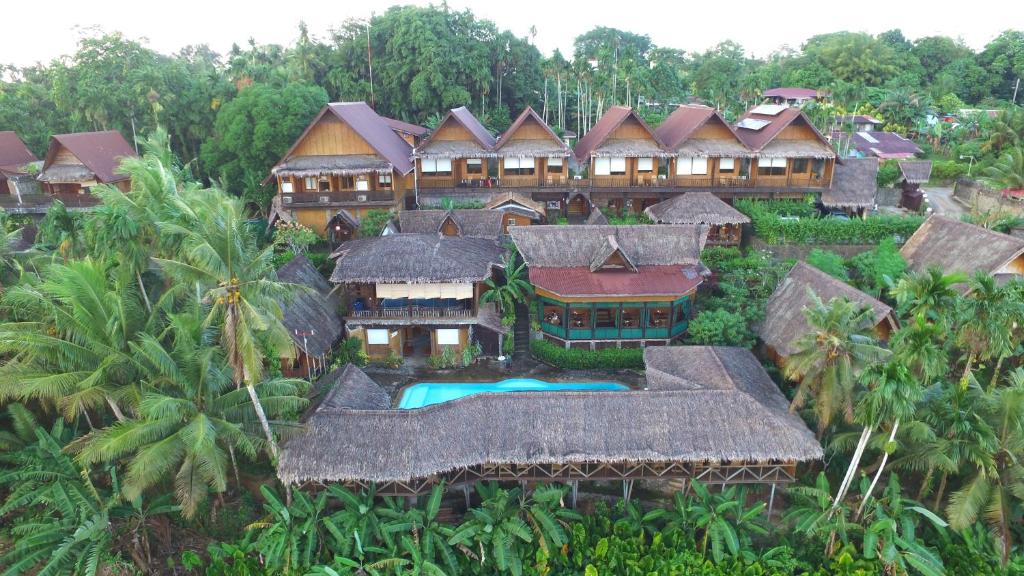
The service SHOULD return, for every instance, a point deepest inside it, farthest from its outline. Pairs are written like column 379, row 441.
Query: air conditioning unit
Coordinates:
column 325, row 199
column 361, row 198
column 286, row 199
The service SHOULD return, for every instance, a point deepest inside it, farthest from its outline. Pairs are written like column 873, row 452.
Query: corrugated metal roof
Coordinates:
column 100, row 152
column 13, row 152
column 758, row 139
column 646, row 281
column 607, row 124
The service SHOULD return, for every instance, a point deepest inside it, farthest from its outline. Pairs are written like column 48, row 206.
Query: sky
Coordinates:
column 41, row 32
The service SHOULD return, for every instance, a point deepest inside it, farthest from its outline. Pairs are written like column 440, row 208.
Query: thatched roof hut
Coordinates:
column 416, row 259
column 760, row 127
column 311, row 315
column 854, row 184
column 955, row 246
column 519, row 202
column 598, row 141
column 916, row 171
column 472, row 223
column 477, row 142
column 706, row 407
column 596, row 218
column 681, row 132
column 695, row 208
column 785, row 322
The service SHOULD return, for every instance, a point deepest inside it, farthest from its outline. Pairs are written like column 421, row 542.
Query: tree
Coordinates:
column 828, row 262
column 512, row 289
column 720, row 327
column 1007, row 173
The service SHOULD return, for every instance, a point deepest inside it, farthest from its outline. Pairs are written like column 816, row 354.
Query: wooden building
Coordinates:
column 312, row 317
column 15, row 177
column 612, row 286
column 459, row 153
column 683, row 425
column 76, row 162
column 517, row 208
column 347, row 158
column 953, row 246
column 785, row 322
column 791, row 156
column 531, row 155
column 725, row 223
column 790, row 96
column 418, row 294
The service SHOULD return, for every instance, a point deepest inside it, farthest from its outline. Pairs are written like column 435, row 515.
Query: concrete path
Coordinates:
column 940, row 198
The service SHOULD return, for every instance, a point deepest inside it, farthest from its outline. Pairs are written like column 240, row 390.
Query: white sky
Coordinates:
column 40, row 31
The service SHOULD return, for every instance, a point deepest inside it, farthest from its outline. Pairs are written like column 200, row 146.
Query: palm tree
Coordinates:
column 1006, row 173
column 997, row 485
column 220, row 260
column 513, row 289
column 986, row 318
column 191, row 419
column 929, row 295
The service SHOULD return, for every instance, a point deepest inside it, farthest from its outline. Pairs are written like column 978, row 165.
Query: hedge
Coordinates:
column 816, row 230
column 607, row 359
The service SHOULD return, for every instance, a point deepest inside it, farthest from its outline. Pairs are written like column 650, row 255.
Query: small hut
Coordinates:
column 954, row 246
column 725, row 223
column 913, row 175
column 785, row 322
column 471, row 223
column 311, row 316
column 596, row 218
column 341, row 227
column 517, row 209
column 76, row 162
column 854, row 186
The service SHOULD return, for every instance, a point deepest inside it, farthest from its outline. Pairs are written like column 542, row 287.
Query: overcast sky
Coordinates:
column 40, row 31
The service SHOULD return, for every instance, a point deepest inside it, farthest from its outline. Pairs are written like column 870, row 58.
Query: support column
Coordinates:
column 771, row 501
column 627, row 490
column 465, row 494
column 575, row 492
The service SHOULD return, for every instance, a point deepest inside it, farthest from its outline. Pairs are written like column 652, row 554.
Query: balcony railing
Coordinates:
column 640, row 182
column 314, row 198
column 414, row 312
column 41, row 201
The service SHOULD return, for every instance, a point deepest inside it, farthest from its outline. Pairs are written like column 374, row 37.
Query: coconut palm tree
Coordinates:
column 191, row 420
column 1006, row 173
column 986, row 318
column 219, row 259
column 513, row 289
column 928, row 294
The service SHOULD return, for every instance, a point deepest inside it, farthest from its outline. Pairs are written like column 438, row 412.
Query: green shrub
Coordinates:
column 888, row 174
column 508, row 345
column 720, row 328
column 282, row 258
column 829, row 262
column 349, row 350
column 373, row 223
column 607, row 359
column 447, row 359
column 871, row 269
column 812, row 229
column 946, row 170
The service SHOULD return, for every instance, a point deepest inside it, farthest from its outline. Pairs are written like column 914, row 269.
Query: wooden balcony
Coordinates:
column 39, row 203
column 396, row 312
column 329, row 198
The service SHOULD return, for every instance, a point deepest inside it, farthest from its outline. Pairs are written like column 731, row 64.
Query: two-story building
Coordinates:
column 419, row 294
column 75, row 163
column 348, row 159
column 707, row 152
column 459, row 153
column 791, row 157
column 601, row 286
column 531, row 155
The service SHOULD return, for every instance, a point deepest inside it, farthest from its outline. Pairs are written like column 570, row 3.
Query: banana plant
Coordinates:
column 727, row 523
column 428, row 535
column 290, row 536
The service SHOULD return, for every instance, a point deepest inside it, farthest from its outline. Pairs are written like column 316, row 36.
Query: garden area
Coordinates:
column 779, row 222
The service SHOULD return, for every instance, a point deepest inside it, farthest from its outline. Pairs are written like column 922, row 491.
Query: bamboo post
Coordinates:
column 465, row 494
column 627, row 490
column 575, row 492
column 771, row 501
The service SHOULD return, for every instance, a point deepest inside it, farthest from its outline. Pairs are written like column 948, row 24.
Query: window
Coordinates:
column 553, row 315
column 579, row 318
column 645, row 165
column 287, row 187
column 800, row 165
column 680, row 313
column 518, row 166
column 771, row 167
column 605, row 318
column 384, row 180
column 555, row 164
column 745, row 168
column 348, row 182
column 309, row 184
column 726, row 165
column 618, row 166
column 474, row 166
column 447, row 336
column 657, row 318
column 325, row 185
column 376, row 337
column 818, row 167
column 362, row 183
column 691, row 166
column 630, row 317
column 602, row 166
column 511, row 221
column 436, row 167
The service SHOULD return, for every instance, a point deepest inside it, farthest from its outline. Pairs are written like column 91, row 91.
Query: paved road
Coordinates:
column 941, row 201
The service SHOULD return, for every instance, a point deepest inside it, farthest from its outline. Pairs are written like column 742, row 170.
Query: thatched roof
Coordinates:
column 742, row 418
column 796, row 149
column 344, row 217
column 302, row 166
column 512, row 199
column 472, row 223
column 630, row 148
column 854, row 184
column 311, row 312
column 596, row 218
column 562, row 246
column 705, row 148
column 596, row 141
column 277, row 213
column 695, row 208
column 99, row 152
column 510, row 146
column 415, row 258
column 916, row 172
column 785, row 322
column 350, row 388
column 955, row 246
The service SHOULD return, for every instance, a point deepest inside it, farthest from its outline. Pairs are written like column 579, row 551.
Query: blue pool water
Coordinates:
column 427, row 393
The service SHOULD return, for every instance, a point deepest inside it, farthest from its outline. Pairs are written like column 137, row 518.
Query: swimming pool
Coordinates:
column 427, row 393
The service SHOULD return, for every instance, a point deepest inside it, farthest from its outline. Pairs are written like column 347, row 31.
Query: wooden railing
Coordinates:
column 639, row 181
column 308, row 198
column 414, row 312
column 40, row 201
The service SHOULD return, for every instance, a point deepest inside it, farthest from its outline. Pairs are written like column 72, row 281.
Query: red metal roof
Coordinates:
column 13, row 152
column 646, row 281
column 605, row 125
column 758, row 139
column 405, row 127
column 686, row 119
column 100, row 152
column 791, row 93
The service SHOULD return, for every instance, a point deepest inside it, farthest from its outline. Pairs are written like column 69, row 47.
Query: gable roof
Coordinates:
column 609, row 249
column 857, row 119
column 552, row 146
column 917, row 172
column 511, row 199
column 481, row 136
column 405, row 127
column 311, row 316
column 99, row 152
column 691, row 412
column 791, row 92
column 763, row 139
column 416, row 258
column 607, row 124
column 472, row 223
column 676, row 131
column 555, row 246
column 955, row 246
column 854, row 184
column 883, row 144
column 13, row 153
column 695, row 208
column 375, row 130
column 785, row 323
